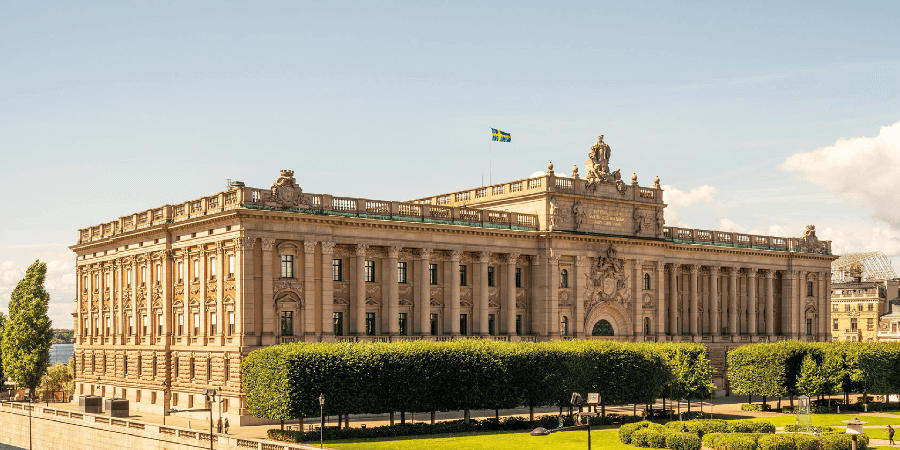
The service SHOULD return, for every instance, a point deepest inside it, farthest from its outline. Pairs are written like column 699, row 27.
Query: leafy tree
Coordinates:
column 2, row 323
column 27, row 334
column 59, row 378
column 691, row 370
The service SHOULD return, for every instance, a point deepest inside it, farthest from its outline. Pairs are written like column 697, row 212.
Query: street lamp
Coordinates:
column 854, row 428
column 210, row 395
column 576, row 400
column 684, row 430
column 322, row 426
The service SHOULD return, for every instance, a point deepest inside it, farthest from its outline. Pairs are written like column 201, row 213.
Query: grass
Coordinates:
column 830, row 420
column 514, row 440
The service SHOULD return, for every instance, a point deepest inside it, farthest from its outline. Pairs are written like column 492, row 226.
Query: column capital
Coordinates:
column 672, row 267
column 638, row 263
column 244, row 243
column 394, row 252
column 511, row 258
column 733, row 271
column 327, row 248
column 752, row 271
column 580, row 260
column 694, row 268
column 220, row 248
column 789, row 274
column 770, row 274
column 309, row 246
column 483, row 257
column 361, row 249
column 424, row 253
column 455, row 255
column 267, row 244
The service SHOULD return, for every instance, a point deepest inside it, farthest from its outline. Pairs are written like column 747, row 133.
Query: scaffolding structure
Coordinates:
column 870, row 266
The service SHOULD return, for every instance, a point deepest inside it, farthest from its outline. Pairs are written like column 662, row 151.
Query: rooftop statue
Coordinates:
column 598, row 163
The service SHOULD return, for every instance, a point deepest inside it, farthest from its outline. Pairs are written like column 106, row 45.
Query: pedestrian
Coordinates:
column 891, row 435
column 226, row 425
column 219, row 426
column 816, row 432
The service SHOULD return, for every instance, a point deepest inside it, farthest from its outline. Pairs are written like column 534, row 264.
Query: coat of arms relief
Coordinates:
column 607, row 283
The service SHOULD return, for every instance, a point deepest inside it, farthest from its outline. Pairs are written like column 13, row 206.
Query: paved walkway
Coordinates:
column 721, row 407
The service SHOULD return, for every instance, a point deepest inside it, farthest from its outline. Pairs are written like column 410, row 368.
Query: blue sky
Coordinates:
column 758, row 116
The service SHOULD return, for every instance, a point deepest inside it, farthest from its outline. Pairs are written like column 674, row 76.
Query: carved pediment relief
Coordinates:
column 340, row 301
column 372, row 301
column 436, row 302
column 607, row 282
column 465, row 302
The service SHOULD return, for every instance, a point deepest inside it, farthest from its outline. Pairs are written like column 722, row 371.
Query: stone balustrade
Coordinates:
column 251, row 198
column 549, row 183
column 738, row 240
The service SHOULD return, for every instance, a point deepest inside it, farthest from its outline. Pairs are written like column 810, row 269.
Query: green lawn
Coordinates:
column 831, row 420
column 515, row 440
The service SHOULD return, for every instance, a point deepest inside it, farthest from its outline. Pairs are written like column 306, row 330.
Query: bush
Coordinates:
column 731, row 441
column 842, row 441
column 625, row 431
column 755, row 407
column 776, row 442
column 808, row 429
column 700, row 427
column 656, row 437
column 674, row 441
column 640, row 437
column 750, row 426
column 694, row 415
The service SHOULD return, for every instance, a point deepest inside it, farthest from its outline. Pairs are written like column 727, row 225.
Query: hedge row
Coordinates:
column 784, row 441
column 697, row 428
column 283, row 382
column 815, row 368
column 731, row 435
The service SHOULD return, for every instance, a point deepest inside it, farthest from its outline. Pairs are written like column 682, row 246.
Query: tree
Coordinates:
column 58, row 382
column 27, row 335
column 2, row 323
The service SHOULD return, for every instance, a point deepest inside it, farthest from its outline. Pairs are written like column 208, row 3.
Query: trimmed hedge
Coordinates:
column 792, row 428
column 750, row 426
column 700, row 427
column 283, row 382
column 732, row 441
column 755, row 407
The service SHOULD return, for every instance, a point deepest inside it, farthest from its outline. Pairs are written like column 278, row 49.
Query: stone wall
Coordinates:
column 68, row 430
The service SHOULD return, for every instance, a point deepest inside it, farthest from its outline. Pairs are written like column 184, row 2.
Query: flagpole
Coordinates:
column 491, row 162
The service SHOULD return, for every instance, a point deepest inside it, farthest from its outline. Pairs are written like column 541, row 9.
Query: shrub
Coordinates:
column 700, row 427
column 750, row 426
column 682, row 441
column 842, row 441
column 755, row 407
column 656, row 437
column 776, row 442
column 731, row 441
column 640, row 437
column 625, row 431
column 808, row 429
column 694, row 415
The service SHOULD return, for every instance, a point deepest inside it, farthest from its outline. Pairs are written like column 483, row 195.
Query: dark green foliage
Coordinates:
column 755, row 407
column 283, row 382
column 2, row 324
column 27, row 334
column 682, row 441
column 700, row 427
column 750, row 426
column 731, row 441
column 625, row 431
column 691, row 371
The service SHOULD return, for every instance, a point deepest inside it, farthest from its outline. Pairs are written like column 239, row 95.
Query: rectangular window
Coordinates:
column 158, row 273
column 212, row 268
column 853, row 325
column 230, row 323
column 180, row 272
column 181, row 324
column 143, row 276
column 131, row 325
column 196, row 274
column 870, row 324
column 144, row 330
column 370, row 324
column 462, row 275
column 212, row 323
column 128, row 278
column 434, row 324
column 809, row 288
column 287, row 266
column 230, row 265
column 871, row 305
column 809, row 327
column 226, row 362
column 401, row 272
column 108, row 327
column 97, row 327
column 433, row 273
column 463, row 325
column 847, row 307
column 519, row 324
column 491, row 324
column 834, row 325
column 287, row 323
column 338, row 319
column 403, row 328
column 491, row 276
column 336, row 272
column 159, row 324
column 834, row 308
column 564, row 278
column 107, row 279
column 370, row 271
column 518, row 277
column 196, row 324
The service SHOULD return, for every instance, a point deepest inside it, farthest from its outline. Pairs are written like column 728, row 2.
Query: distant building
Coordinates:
column 865, row 299
column 170, row 299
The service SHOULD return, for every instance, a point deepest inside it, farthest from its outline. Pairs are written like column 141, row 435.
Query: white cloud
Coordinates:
column 862, row 171
column 677, row 199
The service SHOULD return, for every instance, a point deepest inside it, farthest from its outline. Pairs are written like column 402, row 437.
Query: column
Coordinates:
column 799, row 309
column 480, row 293
column 659, row 268
column 753, row 306
column 268, row 326
column 788, row 282
column 204, row 276
column 186, row 300
column 308, row 321
column 359, row 289
column 553, row 295
column 733, row 327
column 673, row 298
column 327, row 292
column 637, row 298
column 770, row 302
column 714, row 310
column 423, row 291
column 389, row 292
column 244, row 302
column 695, row 270
column 508, row 310
column 451, row 291
column 221, row 268
column 580, row 292
column 822, row 309
column 827, row 328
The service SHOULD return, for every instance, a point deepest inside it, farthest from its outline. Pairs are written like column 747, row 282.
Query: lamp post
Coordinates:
column 684, row 431
column 210, row 395
column 854, row 428
column 322, row 426
column 577, row 400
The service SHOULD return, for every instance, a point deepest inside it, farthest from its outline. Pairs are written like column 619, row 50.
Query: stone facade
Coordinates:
column 865, row 311
column 170, row 299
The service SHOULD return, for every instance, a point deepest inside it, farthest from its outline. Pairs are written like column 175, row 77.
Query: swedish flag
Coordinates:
column 497, row 135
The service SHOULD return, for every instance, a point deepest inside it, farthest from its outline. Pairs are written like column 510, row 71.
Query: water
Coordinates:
column 60, row 353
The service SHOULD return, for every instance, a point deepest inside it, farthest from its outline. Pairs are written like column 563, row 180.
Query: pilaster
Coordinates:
column 451, row 292
column 753, row 300
column 508, row 310
column 327, row 322
column 358, row 288
column 715, row 309
column 389, row 286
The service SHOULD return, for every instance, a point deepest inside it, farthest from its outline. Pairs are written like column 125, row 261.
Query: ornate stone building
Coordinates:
column 865, row 310
column 170, row 299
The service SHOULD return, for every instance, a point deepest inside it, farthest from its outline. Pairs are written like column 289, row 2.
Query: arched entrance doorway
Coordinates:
column 602, row 328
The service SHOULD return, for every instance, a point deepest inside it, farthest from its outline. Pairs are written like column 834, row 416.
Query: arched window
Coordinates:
column 646, row 281
column 602, row 328
column 564, row 278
